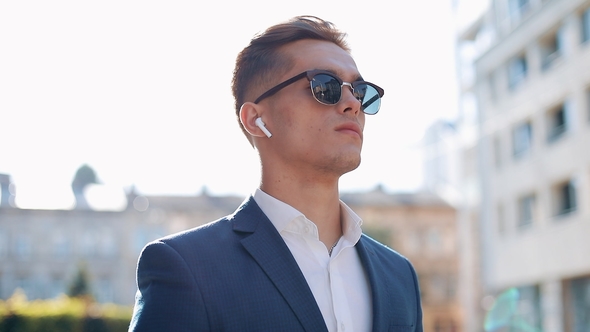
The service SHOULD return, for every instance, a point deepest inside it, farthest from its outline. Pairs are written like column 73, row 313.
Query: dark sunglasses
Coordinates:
column 326, row 88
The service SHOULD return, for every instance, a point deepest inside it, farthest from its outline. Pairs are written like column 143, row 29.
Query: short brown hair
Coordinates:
column 261, row 59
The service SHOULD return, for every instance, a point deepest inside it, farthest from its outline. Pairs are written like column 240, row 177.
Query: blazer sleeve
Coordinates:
column 168, row 298
column 419, row 326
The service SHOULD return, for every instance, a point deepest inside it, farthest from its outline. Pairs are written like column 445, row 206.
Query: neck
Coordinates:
column 319, row 201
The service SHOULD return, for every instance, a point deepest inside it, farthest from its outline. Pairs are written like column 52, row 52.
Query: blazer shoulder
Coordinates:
column 218, row 234
column 386, row 256
column 380, row 249
column 205, row 230
column 217, row 231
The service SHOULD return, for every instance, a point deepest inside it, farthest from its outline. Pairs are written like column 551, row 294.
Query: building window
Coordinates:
column 529, row 306
column 88, row 243
column 516, row 309
column 522, row 137
column 107, row 243
column 108, row 247
column 518, row 9
column 412, row 242
column 497, row 152
column 493, row 92
column 577, row 304
column 23, row 247
column 526, row 210
column 557, row 123
column 3, row 244
column 104, row 291
column 517, row 71
column 551, row 48
column 61, row 245
column 586, row 25
column 501, row 219
column 437, row 288
column 564, row 195
column 434, row 241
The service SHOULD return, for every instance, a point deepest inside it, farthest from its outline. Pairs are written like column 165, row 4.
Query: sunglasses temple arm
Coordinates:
column 278, row 87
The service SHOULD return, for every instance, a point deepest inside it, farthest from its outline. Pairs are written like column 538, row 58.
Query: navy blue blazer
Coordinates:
column 237, row 274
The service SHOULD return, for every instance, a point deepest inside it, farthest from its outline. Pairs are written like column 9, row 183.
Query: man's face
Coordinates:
column 309, row 136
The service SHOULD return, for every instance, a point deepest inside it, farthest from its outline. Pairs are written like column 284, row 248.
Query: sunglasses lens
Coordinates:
column 369, row 98
column 326, row 89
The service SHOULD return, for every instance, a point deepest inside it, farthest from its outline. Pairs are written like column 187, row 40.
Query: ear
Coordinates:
column 249, row 112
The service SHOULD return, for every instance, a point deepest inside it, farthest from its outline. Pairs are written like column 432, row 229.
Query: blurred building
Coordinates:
column 421, row 227
column 41, row 250
column 524, row 70
column 450, row 165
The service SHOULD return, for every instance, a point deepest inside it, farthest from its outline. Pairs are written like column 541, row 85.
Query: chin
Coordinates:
column 354, row 166
column 344, row 164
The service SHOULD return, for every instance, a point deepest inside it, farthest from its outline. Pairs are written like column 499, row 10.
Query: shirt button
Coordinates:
column 306, row 229
column 342, row 327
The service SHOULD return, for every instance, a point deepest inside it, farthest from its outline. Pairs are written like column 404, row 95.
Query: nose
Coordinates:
column 349, row 99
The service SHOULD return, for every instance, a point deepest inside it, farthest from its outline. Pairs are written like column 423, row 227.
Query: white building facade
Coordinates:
column 528, row 68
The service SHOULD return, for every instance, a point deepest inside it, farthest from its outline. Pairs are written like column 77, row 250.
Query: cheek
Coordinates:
column 299, row 117
column 362, row 121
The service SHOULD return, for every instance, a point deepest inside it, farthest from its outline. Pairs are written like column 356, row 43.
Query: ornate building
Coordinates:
column 41, row 250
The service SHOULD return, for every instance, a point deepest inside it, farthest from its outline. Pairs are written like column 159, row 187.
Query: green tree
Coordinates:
column 80, row 285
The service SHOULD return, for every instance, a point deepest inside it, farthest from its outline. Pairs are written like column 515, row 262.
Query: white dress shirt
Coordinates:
column 338, row 282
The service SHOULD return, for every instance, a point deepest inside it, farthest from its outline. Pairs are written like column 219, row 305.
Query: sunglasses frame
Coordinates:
column 310, row 74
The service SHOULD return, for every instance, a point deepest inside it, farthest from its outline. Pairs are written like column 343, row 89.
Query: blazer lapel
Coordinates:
column 269, row 250
column 380, row 294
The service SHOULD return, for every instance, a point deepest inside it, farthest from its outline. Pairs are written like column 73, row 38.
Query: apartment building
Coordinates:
column 450, row 164
column 527, row 65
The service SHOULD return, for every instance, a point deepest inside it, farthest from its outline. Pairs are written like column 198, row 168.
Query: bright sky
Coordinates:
column 140, row 91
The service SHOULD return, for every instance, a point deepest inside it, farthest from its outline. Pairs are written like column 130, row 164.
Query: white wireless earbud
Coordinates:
column 260, row 125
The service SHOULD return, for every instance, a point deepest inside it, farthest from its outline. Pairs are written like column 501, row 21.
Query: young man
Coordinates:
column 292, row 257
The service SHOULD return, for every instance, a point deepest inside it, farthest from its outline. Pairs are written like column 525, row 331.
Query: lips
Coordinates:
column 351, row 128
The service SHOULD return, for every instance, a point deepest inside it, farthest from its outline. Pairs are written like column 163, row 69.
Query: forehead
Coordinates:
column 314, row 54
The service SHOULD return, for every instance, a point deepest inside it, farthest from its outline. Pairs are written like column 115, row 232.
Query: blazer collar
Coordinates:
column 271, row 253
column 381, row 295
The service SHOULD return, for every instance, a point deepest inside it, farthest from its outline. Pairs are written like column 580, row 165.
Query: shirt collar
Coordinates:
column 351, row 225
column 279, row 213
column 282, row 214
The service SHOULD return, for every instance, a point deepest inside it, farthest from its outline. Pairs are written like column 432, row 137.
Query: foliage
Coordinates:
column 61, row 314
column 80, row 286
